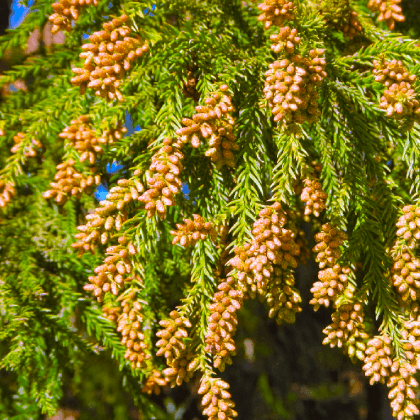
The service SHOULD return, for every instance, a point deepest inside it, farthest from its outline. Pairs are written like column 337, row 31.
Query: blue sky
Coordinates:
column 18, row 13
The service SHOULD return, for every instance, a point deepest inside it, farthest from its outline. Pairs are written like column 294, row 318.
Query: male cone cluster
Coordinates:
column 398, row 372
column 339, row 15
column 164, row 182
column 111, row 313
column 181, row 363
column 399, row 98
column 406, row 275
column 66, row 11
column 223, row 323
column 263, row 269
column 290, row 85
column 389, row 11
column 403, row 388
column 283, row 298
column 108, row 217
column 7, row 191
column 191, row 231
column 71, row 183
column 272, row 244
column 285, row 40
column 276, row 12
column 313, row 197
column 115, row 272
column 332, row 276
column 109, row 54
column 130, row 327
column 84, row 140
column 216, row 401
column 378, row 359
column 213, row 123
column 30, row 149
column 411, row 335
column 351, row 27
column 190, row 86
column 406, row 269
column 348, row 330
column 154, row 383
column 409, row 226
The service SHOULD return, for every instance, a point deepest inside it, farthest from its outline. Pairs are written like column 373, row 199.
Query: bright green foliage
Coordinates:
column 51, row 327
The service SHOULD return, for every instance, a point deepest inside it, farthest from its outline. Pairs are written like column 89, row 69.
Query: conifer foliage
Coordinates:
column 254, row 119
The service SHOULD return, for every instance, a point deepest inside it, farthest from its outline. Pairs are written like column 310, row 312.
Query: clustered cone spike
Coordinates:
column 332, row 276
column 276, row 12
column 406, row 275
column 191, row 231
column 339, row 14
column 223, row 322
column 29, row 150
column 285, row 40
column 399, row 99
column 190, row 86
column 411, row 336
column 295, row 216
column 378, row 359
column 7, row 192
column 348, row 330
column 352, row 27
column 402, row 384
column 84, row 140
column 66, row 11
column 108, row 217
column 328, row 245
column 181, row 362
column 130, row 327
column 111, row 313
column 71, row 183
column 213, row 123
column 181, row 369
column 389, row 11
column 154, row 383
column 314, row 197
column 403, row 389
column 333, row 281
column 216, row 401
column 109, row 54
column 164, row 182
column 400, row 371
column 262, row 268
column 272, row 244
column 115, row 272
column 290, row 87
column 171, row 343
column 409, row 226
column 282, row 298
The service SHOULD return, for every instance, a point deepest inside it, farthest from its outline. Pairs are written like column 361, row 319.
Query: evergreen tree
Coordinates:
column 264, row 131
